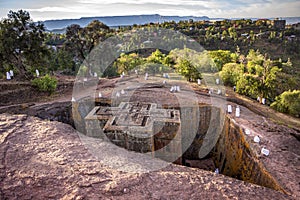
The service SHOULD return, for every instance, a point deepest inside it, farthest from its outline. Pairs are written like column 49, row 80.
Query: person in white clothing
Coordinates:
column 11, row 72
column 199, row 81
column 237, row 111
column 37, row 73
column 8, row 76
column 229, row 109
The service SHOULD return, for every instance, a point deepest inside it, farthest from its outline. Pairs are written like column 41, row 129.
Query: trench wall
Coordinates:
column 235, row 158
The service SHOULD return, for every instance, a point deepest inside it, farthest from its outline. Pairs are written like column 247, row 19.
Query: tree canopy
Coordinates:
column 22, row 47
column 288, row 102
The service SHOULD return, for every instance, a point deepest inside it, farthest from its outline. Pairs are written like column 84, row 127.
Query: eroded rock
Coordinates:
column 42, row 159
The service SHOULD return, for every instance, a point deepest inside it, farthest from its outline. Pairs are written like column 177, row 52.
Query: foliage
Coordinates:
column 62, row 60
column 81, row 41
column 205, row 63
column 45, row 83
column 231, row 73
column 168, row 61
column 156, row 57
column 220, row 58
column 247, row 85
column 23, row 48
column 21, row 44
column 260, row 78
column 188, row 70
column 126, row 63
column 288, row 102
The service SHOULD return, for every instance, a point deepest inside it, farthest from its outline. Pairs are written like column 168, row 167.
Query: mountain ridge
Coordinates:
column 115, row 21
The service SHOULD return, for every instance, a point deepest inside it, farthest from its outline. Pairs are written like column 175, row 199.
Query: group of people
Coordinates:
column 263, row 100
column 9, row 75
column 237, row 110
column 175, row 88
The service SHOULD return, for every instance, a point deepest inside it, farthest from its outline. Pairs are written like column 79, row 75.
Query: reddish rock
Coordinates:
column 47, row 160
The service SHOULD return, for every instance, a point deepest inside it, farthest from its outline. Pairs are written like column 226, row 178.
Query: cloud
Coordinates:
column 140, row 2
column 51, row 9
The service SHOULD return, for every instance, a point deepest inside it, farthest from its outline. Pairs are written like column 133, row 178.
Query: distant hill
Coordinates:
column 60, row 25
column 115, row 21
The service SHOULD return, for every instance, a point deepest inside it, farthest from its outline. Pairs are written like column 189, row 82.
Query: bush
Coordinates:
column 288, row 102
column 230, row 73
column 188, row 70
column 45, row 84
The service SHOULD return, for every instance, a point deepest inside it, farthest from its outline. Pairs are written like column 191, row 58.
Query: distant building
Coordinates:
column 296, row 26
column 279, row 24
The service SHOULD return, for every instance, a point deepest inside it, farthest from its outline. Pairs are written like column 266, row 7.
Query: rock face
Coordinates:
column 140, row 127
column 235, row 154
column 47, row 160
column 235, row 158
column 15, row 92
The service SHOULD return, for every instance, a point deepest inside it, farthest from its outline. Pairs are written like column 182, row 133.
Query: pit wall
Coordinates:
column 235, row 158
column 204, row 118
column 232, row 154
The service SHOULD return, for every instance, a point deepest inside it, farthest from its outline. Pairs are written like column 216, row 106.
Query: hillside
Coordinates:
column 115, row 21
column 118, row 20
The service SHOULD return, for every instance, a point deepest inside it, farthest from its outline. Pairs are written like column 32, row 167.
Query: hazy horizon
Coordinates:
column 67, row 9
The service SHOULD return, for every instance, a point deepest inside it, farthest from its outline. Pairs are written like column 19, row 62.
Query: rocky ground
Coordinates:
column 48, row 160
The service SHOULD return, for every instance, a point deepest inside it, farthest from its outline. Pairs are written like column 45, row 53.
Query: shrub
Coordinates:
column 288, row 102
column 230, row 73
column 188, row 70
column 45, row 83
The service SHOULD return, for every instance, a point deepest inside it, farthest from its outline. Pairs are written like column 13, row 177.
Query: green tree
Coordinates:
column 81, row 41
column 288, row 102
column 224, row 34
column 220, row 58
column 231, row 73
column 188, row 70
column 22, row 45
column 126, row 63
column 232, row 33
column 168, row 61
column 156, row 57
column 260, row 78
column 62, row 60
column 152, row 68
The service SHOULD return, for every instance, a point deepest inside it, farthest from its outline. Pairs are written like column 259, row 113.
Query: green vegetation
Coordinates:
column 45, row 83
column 125, row 63
column 22, row 46
column 288, row 102
column 255, row 56
column 220, row 58
column 188, row 70
column 231, row 73
column 259, row 78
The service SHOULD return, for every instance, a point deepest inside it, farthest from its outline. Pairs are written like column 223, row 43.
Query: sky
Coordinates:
column 71, row 9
